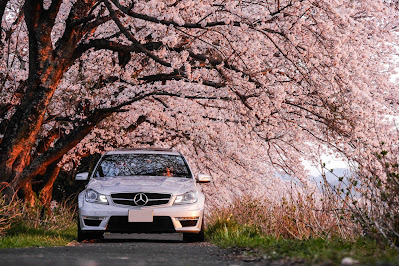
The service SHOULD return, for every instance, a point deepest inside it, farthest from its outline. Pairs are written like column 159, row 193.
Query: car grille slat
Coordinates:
column 129, row 199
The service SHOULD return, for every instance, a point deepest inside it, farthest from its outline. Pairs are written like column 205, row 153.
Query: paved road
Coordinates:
column 116, row 250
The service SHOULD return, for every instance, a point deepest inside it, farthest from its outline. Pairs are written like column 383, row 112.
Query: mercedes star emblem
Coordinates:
column 140, row 199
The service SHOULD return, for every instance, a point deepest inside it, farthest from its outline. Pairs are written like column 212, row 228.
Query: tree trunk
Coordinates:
column 44, row 75
column 46, row 193
column 46, row 68
column 29, row 195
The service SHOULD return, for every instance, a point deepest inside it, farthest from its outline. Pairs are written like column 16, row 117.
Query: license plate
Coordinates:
column 139, row 216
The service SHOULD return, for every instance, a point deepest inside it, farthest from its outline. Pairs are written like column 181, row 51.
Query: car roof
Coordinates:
column 144, row 151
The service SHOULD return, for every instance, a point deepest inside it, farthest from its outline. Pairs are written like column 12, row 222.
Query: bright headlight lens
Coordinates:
column 187, row 198
column 93, row 196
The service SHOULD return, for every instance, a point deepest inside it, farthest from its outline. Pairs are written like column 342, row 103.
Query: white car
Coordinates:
column 142, row 191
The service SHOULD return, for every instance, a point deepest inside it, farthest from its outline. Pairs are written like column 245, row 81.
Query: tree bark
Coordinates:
column 29, row 195
column 25, row 124
column 46, row 194
column 46, row 68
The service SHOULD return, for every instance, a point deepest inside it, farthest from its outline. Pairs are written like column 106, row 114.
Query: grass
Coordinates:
column 24, row 226
column 253, row 241
column 22, row 235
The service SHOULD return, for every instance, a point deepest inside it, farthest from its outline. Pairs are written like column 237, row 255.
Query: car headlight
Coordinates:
column 187, row 198
column 93, row 196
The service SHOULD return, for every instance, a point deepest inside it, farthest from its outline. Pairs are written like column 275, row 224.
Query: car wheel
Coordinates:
column 82, row 235
column 191, row 237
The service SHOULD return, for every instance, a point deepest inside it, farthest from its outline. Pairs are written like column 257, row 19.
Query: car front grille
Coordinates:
column 120, row 224
column 141, row 199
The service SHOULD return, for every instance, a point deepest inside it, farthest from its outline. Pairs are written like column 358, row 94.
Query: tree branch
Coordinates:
column 130, row 36
column 51, row 14
column 73, row 33
column 99, row 44
column 133, row 14
column 3, row 5
column 94, row 24
column 141, row 119
column 216, row 62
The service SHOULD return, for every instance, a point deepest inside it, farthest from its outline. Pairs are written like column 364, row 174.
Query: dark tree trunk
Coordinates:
column 46, row 194
column 25, row 124
column 29, row 194
column 46, row 68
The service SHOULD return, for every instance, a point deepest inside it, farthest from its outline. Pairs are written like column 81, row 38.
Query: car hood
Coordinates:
column 156, row 184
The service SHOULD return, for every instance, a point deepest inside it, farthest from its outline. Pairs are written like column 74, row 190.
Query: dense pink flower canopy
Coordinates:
column 246, row 89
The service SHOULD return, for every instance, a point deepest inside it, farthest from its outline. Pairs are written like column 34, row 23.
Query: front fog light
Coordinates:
column 187, row 198
column 93, row 196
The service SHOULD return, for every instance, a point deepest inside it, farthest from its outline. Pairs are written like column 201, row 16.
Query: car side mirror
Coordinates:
column 202, row 178
column 82, row 176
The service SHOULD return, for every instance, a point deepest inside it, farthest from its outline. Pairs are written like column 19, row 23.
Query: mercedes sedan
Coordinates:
column 142, row 191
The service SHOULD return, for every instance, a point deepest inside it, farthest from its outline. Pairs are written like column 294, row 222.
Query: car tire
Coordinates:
column 82, row 235
column 192, row 237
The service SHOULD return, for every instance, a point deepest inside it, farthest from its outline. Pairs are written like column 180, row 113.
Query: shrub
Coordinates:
column 23, row 226
column 296, row 217
column 8, row 214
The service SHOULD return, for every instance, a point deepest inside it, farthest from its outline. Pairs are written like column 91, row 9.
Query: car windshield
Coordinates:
column 142, row 165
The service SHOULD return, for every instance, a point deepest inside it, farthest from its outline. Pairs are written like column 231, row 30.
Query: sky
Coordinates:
column 331, row 162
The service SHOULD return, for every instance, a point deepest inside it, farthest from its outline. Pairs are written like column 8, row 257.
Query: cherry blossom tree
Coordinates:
column 240, row 85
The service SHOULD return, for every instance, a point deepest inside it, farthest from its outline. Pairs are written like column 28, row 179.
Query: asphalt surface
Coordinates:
column 137, row 249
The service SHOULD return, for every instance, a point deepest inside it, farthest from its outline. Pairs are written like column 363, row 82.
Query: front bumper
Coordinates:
column 167, row 218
